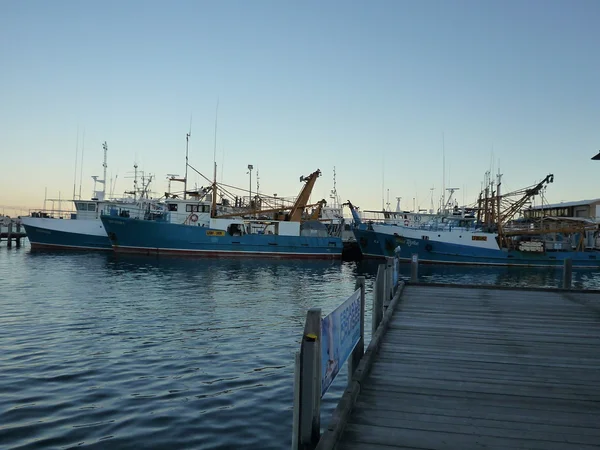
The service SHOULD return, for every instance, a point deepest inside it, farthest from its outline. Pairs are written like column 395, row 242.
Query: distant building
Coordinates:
column 583, row 208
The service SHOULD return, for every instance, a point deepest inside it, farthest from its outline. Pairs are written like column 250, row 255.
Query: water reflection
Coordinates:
column 547, row 277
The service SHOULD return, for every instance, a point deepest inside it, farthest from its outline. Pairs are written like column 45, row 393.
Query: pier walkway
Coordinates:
column 463, row 367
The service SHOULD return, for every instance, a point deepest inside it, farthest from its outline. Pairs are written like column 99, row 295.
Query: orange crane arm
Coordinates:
column 302, row 200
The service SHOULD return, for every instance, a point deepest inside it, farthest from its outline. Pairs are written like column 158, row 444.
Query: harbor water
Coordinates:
column 104, row 351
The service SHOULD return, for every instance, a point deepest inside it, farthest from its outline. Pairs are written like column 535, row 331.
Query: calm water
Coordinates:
column 113, row 352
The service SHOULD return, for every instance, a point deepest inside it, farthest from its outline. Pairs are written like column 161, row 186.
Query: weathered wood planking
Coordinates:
column 470, row 368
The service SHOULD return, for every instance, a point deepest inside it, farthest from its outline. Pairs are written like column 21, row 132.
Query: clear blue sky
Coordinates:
column 367, row 87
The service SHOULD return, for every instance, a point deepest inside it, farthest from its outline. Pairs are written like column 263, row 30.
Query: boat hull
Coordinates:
column 161, row 238
column 44, row 233
column 375, row 244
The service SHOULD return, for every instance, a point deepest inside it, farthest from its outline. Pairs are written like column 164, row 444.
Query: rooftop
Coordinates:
column 566, row 204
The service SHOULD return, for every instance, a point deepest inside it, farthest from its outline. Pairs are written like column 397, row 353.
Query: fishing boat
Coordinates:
column 196, row 226
column 83, row 229
column 493, row 238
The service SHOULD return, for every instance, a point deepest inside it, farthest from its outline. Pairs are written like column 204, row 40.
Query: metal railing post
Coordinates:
column 359, row 350
column 310, row 381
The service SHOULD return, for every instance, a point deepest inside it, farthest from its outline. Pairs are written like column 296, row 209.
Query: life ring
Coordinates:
column 194, row 218
column 428, row 247
column 406, row 222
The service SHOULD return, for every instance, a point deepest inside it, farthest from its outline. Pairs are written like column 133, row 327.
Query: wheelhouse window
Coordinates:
column 172, row 206
column 197, row 208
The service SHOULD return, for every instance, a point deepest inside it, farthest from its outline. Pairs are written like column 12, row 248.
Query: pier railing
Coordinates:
column 53, row 213
column 327, row 343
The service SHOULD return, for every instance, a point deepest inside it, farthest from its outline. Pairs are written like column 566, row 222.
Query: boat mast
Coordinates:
column 334, row 194
column 76, row 155
column 81, row 166
column 499, row 198
column 443, row 173
column 105, row 147
column 213, row 208
column 187, row 143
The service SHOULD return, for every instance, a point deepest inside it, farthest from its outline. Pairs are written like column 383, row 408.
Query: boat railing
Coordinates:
column 53, row 213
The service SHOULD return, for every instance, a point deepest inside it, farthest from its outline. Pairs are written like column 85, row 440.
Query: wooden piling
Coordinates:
column 377, row 299
column 389, row 278
column 310, row 381
column 9, row 235
column 18, row 237
column 414, row 268
column 567, row 273
column 296, row 411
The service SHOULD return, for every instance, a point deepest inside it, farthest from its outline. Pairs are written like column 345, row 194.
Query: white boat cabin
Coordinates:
column 87, row 209
column 198, row 213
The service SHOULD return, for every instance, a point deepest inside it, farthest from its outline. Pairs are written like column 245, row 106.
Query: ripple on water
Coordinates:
column 129, row 353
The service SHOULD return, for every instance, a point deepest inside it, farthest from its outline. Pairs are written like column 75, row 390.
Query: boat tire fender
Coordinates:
column 194, row 218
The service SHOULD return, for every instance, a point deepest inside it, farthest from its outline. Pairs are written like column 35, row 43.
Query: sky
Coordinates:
column 403, row 98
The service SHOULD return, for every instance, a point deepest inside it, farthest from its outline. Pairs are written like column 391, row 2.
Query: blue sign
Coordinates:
column 340, row 332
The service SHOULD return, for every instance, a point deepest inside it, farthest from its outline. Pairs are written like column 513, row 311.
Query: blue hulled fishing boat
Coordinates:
column 195, row 227
column 492, row 239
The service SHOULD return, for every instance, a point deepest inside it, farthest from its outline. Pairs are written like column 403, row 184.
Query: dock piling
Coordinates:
column 9, row 236
column 389, row 278
column 296, row 411
column 18, row 238
column 567, row 273
column 414, row 268
column 377, row 313
column 310, row 381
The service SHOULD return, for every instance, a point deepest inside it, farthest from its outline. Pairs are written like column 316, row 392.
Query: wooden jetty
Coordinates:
column 472, row 367
column 12, row 231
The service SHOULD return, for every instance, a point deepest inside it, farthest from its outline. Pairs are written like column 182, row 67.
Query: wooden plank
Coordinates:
column 583, row 422
column 521, row 389
column 514, row 360
column 440, row 440
column 461, row 373
column 475, row 403
column 362, row 446
column 494, row 429
column 522, row 355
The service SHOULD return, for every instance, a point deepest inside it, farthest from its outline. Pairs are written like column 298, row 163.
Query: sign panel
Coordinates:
column 340, row 332
column 215, row 233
